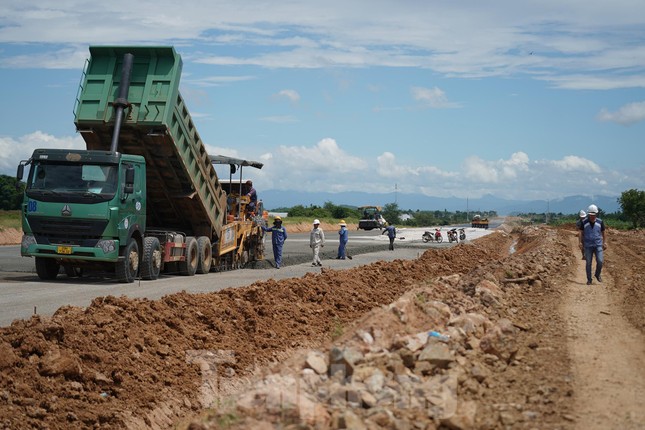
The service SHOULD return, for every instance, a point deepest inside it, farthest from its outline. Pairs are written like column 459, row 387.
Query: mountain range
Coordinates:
column 411, row 202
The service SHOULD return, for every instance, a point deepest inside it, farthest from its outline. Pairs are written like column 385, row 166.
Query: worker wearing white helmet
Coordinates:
column 593, row 242
column 582, row 216
column 316, row 242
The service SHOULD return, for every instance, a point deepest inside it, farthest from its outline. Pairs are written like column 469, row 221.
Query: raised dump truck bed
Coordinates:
column 183, row 191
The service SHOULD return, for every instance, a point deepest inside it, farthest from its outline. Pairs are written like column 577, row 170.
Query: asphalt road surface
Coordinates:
column 23, row 294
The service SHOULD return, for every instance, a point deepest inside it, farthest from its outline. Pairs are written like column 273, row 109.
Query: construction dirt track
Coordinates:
column 529, row 346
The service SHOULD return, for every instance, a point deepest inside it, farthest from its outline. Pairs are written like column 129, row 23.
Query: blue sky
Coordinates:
column 520, row 99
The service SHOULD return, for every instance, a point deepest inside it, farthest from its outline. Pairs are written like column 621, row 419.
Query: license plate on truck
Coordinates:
column 64, row 250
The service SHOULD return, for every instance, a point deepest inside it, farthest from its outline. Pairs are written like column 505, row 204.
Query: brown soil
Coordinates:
column 137, row 363
column 10, row 236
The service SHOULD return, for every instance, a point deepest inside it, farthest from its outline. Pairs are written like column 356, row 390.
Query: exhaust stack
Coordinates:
column 121, row 101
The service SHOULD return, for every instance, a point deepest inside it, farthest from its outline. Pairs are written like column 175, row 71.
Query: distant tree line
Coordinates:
column 391, row 212
column 632, row 202
column 10, row 195
column 631, row 215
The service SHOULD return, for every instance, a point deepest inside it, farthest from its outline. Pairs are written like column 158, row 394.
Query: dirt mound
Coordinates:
column 123, row 359
column 137, row 363
column 10, row 236
column 395, row 374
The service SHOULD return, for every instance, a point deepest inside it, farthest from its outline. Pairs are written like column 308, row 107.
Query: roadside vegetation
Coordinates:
column 332, row 213
column 10, row 219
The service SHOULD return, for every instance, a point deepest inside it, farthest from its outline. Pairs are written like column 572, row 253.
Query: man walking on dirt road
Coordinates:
column 592, row 242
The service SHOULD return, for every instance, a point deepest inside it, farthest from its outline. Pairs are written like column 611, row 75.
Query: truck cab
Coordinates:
column 79, row 204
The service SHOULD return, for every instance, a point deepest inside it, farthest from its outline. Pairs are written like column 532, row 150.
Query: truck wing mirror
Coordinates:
column 21, row 171
column 129, row 180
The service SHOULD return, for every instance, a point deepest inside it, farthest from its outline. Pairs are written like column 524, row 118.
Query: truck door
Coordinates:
column 133, row 196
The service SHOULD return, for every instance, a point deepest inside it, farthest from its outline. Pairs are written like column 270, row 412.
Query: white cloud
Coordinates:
column 14, row 150
column 216, row 81
column 291, row 95
column 220, row 150
column 480, row 170
column 325, row 156
column 389, row 168
column 67, row 58
column 549, row 40
column 628, row 114
column 573, row 163
column 497, row 171
column 280, row 119
column 432, row 97
column 325, row 166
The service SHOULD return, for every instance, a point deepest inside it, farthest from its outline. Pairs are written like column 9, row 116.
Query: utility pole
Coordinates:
column 547, row 212
column 395, row 193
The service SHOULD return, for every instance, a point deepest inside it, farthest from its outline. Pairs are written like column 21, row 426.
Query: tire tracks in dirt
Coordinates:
column 607, row 353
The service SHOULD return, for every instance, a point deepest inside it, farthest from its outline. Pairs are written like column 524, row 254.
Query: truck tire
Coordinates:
column 188, row 267
column 151, row 259
column 128, row 267
column 47, row 268
column 205, row 253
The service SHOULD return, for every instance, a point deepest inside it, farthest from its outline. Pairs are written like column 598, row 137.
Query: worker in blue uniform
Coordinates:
column 278, row 236
column 343, row 237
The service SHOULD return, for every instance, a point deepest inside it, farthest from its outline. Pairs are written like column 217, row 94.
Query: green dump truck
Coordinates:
column 143, row 198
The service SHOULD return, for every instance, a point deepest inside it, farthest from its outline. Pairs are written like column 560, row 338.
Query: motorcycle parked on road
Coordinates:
column 452, row 235
column 462, row 234
column 429, row 237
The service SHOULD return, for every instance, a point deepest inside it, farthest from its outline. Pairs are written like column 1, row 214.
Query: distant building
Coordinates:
column 405, row 217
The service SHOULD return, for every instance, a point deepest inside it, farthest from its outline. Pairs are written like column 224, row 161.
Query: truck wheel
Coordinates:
column 205, row 253
column 128, row 268
column 47, row 268
column 188, row 267
column 151, row 258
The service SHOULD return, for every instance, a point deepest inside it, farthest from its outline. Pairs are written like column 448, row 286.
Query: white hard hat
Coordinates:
column 316, row 222
column 582, row 213
column 592, row 209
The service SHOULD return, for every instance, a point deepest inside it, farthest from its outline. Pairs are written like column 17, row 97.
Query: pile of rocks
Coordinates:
column 414, row 361
column 429, row 360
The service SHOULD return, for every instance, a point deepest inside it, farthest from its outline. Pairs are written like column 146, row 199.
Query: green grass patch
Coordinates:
column 10, row 219
column 337, row 329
